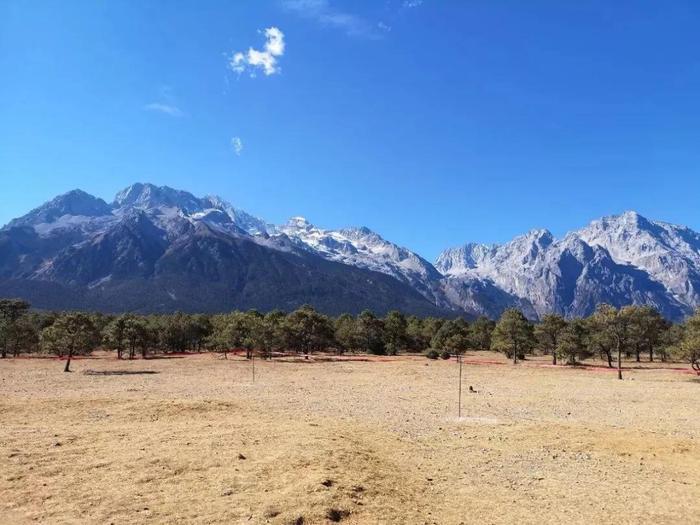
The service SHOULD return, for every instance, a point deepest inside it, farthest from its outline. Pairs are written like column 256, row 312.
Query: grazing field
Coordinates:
column 191, row 439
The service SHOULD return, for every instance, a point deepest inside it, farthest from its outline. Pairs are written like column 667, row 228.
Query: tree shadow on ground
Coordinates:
column 119, row 372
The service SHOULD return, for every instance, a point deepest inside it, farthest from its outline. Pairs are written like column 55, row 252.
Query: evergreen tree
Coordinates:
column 395, row 336
column 547, row 333
column 689, row 347
column 430, row 327
column 370, row 332
column 345, row 333
column 75, row 333
column 600, row 338
column 306, row 330
column 481, row 331
column 646, row 330
column 12, row 311
column 572, row 341
column 414, row 334
column 513, row 335
column 113, row 335
column 453, row 337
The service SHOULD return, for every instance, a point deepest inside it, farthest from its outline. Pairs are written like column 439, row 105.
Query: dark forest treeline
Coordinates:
column 632, row 332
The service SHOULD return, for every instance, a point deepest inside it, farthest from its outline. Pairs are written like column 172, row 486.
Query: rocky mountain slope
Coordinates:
column 364, row 248
column 619, row 260
column 159, row 249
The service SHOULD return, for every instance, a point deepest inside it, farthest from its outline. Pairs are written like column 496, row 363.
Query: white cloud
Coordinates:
column 167, row 109
column 325, row 14
column 237, row 145
column 266, row 59
column 412, row 3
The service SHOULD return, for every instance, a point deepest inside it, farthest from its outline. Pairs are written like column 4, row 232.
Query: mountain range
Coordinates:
column 157, row 249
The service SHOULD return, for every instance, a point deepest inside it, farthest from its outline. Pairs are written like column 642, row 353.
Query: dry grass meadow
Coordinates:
column 356, row 442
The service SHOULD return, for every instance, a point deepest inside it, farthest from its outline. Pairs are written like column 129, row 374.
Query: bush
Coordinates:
column 445, row 354
column 432, row 354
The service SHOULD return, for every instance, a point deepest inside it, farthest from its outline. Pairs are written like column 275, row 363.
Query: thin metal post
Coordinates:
column 459, row 410
column 252, row 359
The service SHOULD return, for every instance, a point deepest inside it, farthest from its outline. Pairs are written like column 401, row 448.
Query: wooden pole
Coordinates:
column 252, row 359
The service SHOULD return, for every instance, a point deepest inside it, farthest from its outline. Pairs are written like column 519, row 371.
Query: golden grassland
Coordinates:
column 356, row 442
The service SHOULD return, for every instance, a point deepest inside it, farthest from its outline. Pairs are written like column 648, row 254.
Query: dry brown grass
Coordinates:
column 359, row 442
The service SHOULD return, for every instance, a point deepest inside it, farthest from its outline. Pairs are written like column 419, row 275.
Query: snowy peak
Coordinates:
column 74, row 203
column 620, row 259
column 629, row 220
column 298, row 223
column 242, row 219
column 538, row 236
column 79, row 213
column 149, row 196
column 364, row 248
column 670, row 254
column 169, row 202
column 457, row 261
column 522, row 250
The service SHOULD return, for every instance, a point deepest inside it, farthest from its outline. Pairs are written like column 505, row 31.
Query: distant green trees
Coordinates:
column 129, row 333
column 630, row 332
column 481, row 333
column 15, row 327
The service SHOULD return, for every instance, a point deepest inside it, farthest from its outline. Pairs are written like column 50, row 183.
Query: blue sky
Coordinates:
column 433, row 123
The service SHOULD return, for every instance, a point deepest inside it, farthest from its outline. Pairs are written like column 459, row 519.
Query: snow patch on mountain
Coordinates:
column 619, row 259
column 670, row 254
column 364, row 248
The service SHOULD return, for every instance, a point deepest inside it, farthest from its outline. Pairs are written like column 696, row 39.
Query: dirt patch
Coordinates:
column 348, row 441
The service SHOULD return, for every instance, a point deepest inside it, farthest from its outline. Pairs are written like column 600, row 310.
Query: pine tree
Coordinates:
column 513, row 335
column 547, row 333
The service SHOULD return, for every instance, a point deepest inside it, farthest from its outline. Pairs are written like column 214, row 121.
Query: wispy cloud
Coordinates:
column 412, row 3
column 266, row 60
column 237, row 145
column 167, row 109
column 165, row 103
column 327, row 15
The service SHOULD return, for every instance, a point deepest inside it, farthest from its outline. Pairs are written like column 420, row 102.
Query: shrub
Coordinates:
column 432, row 354
column 445, row 354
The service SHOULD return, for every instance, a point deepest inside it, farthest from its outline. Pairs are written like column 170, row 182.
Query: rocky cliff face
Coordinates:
column 157, row 249
column 620, row 260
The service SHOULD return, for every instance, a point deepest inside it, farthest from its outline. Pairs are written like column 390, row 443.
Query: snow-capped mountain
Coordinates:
column 624, row 259
column 155, row 248
column 166, row 203
column 160, row 249
column 670, row 254
column 364, row 248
